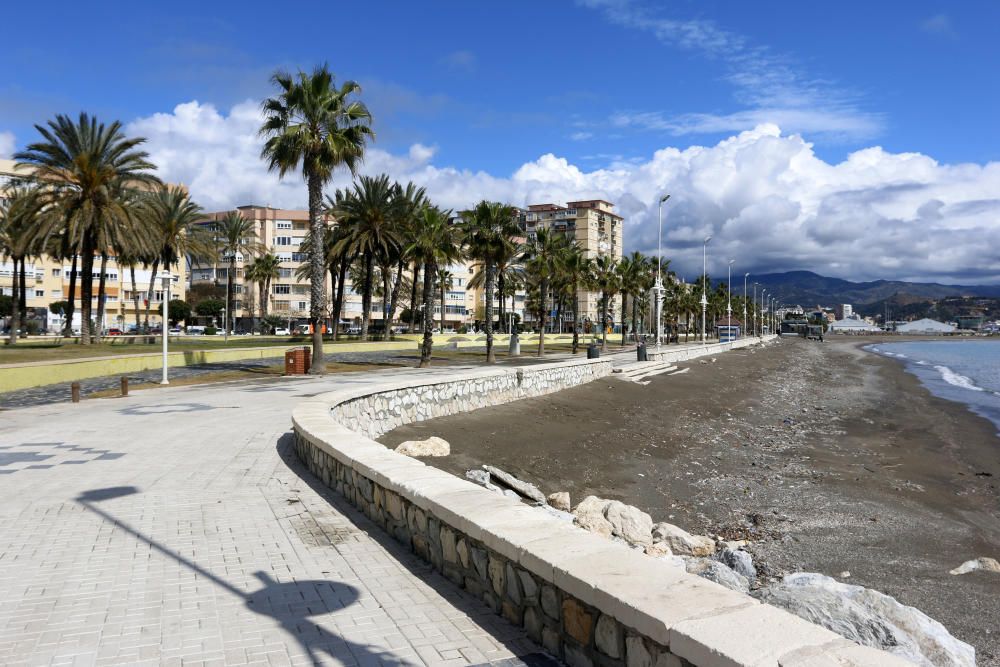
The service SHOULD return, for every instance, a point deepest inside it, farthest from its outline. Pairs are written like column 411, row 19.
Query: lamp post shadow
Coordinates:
column 290, row 604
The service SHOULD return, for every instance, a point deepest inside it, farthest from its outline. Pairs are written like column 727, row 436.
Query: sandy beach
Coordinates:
column 828, row 458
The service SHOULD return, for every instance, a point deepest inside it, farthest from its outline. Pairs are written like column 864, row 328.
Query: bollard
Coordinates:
column 640, row 352
column 75, row 392
column 124, row 386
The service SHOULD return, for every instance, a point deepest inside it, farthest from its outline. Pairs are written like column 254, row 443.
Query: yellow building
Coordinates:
column 47, row 281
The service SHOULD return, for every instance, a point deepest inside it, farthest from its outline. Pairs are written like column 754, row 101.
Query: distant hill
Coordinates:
column 806, row 288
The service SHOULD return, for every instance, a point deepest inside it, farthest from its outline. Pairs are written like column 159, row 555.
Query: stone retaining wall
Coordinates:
column 585, row 599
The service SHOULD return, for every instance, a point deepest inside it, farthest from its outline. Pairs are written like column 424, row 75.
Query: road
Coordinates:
column 175, row 527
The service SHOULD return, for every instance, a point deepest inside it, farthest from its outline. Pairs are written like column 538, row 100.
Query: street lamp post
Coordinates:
column 658, row 288
column 763, row 294
column 753, row 309
column 743, row 328
column 704, row 287
column 164, row 326
column 729, row 295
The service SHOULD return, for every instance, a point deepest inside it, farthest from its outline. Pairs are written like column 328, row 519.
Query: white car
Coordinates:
column 282, row 331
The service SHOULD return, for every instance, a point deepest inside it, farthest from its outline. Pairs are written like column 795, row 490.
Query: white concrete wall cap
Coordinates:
column 759, row 635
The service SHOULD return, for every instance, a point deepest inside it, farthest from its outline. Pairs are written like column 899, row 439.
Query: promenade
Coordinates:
column 176, row 527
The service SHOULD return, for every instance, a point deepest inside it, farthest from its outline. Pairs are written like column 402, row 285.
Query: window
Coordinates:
column 299, row 257
column 56, row 273
column 282, row 240
column 56, row 294
column 222, row 273
column 281, row 305
column 39, row 293
column 288, row 257
column 283, row 224
column 300, row 289
column 237, row 305
column 284, row 273
column 282, row 289
column 302, row 305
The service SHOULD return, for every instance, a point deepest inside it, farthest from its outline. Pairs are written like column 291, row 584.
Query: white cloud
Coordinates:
column 765, row 196
column 939, row 24
column 581, row 136
column 6, row 144
column 770, row 86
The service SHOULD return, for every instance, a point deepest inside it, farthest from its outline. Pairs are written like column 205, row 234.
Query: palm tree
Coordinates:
column 234, row 234
column 631, row 270
column 577, row 269
column 313, row 123
column 20, row 212
column 367, row 212
column 85, row 164
column 436, row 241
column 490, row 229
column 410, row 202
column 606, row 280
column 263, row 270
column 542, row 257
column 444, row 280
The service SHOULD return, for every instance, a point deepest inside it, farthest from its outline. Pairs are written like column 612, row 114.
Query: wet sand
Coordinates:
column 828, row 458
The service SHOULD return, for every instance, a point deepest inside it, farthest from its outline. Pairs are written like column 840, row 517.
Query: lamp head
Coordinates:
column 707, row 239
column 746, row 275
column 731, row 262
column 664, row 198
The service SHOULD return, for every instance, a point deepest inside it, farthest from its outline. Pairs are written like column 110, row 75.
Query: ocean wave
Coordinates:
column 956, row 379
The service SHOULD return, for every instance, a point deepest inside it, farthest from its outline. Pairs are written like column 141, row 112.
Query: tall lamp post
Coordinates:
column 753, row 308
column 763, row 293
column 658, row 288
column 729, row 295
column 704, row 287
column 743, row 328
column 164, row 326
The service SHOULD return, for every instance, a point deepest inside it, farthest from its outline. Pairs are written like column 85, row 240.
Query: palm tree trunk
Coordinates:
column 101, row 294
column 15, row 305
column 135, row 296
column 430, row 270
column 604, row 322
column 635, row 314
column 543, row 289
column 500, row 288
column 152, row 287
column 394, row 301
column 86, row 289
column 624, row 308
column 338, row 305
column 491, row 278
column 317, row 270
column 21, row 275
column 228, row 323
column 386, row 315
column 576, row 319
column 366, row 295
column 442, row 287
column 70, row 303
column 413, row 297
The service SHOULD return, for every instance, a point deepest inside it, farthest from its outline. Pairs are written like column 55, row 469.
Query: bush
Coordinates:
column 210, row 330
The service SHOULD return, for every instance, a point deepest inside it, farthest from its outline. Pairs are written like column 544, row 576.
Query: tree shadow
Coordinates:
column 462, row 600
column 291, row 604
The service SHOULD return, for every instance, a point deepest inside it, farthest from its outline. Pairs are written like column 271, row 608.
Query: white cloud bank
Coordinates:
column 769, row 201
column 6, row 144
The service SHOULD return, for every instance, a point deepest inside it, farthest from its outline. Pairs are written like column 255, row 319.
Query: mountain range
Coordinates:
column 806, row 288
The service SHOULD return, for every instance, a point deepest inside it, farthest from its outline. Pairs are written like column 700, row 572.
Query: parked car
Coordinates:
column 115, row 331
column 175, row 330
column 282, row 331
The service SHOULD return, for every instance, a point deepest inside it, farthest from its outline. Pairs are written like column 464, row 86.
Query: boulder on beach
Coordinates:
column 738, row 561
column 505, row 479
column 985, row 564
column 715, row 571
column 869, row 618
column 611, row 517
column 432, row 446
column 560, row 500
column 682, row 542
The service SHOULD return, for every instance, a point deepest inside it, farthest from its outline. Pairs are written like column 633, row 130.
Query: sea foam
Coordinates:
column 956, row 379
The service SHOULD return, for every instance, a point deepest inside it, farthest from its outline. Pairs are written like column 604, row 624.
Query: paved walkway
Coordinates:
column 176, row 527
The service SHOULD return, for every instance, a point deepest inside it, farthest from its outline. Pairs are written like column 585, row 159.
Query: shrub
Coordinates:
column 210, row 330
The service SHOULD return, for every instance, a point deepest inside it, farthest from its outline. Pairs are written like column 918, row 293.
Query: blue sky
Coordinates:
column 490, row 89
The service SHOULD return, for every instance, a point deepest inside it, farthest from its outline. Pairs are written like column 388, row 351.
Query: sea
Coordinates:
column 964, row 371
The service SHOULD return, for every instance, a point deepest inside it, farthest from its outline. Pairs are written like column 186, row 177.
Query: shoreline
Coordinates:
column 830, row 458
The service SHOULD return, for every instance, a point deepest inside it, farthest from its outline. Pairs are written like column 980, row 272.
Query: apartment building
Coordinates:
column 596, row 229
column 48, row 282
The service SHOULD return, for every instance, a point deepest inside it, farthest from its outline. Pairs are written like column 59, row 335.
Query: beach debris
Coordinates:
column 613, row 518
column 658, row 550
column 432, row 446
column 845, row 574
column 738, row 561
column 715, row 571
column 682, row 542
column 870, row 618
column 482, row 478
column 984, row 563
column 527, row 490
column 560, row 500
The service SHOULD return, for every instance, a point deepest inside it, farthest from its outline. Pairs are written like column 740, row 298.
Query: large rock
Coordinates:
column 629, row 523
column 869, row 618
column 738, row 561
column 432, row 446
column 985, row 564
column 612, row 518
column 682, row 542
column 525, row 489
column 560, row 501
column 715, row 571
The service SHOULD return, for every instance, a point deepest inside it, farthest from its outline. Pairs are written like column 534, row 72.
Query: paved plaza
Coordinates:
column 175, row 527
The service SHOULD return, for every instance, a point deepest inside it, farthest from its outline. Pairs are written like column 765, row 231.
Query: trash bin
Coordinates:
column 514, row 346
column 593, row 352
column 640, row 352
column 298, row 360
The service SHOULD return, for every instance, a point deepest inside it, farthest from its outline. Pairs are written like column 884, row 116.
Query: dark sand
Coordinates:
column 870, row 473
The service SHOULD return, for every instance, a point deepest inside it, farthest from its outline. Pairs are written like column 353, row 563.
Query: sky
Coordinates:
column 854, row 139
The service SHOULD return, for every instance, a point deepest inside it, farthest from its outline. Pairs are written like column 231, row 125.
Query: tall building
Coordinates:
column 595, row 228
column 48, row 282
